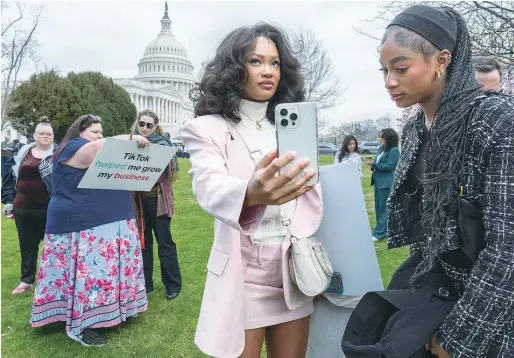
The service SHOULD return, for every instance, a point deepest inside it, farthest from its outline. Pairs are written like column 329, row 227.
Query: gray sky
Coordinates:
column 111, row 37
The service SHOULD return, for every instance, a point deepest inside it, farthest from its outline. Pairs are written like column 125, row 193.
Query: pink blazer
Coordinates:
column 221, row 170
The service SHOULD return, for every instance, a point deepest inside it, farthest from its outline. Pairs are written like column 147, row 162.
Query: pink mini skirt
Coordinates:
column 265, row 304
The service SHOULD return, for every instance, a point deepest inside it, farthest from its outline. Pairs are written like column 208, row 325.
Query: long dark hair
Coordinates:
column 390, row 138
column 223, row 81
column 446, row 147
column 343, row 152
column 80, row 125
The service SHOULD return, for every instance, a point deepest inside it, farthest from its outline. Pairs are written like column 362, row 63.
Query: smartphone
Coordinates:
column 297, row 130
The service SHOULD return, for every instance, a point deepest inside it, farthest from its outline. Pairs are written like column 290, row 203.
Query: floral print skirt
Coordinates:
column 91, row 278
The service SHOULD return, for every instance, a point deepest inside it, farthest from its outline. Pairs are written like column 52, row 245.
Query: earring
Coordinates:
column 439, row 73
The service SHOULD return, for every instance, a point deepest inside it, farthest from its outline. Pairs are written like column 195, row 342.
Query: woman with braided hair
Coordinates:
column 458, row 148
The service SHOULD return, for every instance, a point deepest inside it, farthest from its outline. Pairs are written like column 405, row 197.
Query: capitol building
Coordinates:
column 164, row 80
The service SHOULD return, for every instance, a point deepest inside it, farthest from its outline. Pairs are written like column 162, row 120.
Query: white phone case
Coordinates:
column 297, row 130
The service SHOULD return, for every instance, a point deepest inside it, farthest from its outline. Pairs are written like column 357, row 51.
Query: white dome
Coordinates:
column 165, row 44
column 165, row 60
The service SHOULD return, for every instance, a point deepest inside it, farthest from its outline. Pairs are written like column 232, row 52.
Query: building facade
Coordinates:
column 165, row 77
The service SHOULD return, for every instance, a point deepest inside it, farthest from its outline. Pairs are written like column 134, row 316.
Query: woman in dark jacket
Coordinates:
column 383, row 168
column 458, row 148
column 26, row 191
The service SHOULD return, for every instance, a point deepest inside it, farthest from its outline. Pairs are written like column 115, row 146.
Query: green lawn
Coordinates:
column 167, row 328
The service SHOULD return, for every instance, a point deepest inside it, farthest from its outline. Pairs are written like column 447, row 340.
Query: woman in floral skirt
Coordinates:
column 91, row 270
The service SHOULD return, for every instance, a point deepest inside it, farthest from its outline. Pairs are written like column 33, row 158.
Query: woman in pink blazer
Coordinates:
column 249, row 296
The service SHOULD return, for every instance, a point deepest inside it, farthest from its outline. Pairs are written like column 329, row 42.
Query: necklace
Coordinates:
column 257, row 123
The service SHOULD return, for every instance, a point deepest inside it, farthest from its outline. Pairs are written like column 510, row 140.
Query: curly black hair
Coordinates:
column 390, row 138
column 222, row 83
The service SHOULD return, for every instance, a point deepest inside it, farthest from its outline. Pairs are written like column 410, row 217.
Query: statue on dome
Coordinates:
column 166, row 7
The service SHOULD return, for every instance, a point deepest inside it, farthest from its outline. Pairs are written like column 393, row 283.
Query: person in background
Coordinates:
column 249, row 297
column 18, row 145
column 382, row 176
column 154, row 210
column 488, row 73
column 7, row 149
column 26, row 191
column 349, row 152
column 91, row 271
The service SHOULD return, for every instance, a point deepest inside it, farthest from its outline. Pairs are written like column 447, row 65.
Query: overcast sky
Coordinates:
column 111, row 37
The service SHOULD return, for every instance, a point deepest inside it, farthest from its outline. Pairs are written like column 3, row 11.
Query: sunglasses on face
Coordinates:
column 141, row 124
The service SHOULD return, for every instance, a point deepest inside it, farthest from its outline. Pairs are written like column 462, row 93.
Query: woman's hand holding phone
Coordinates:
column 266, row 188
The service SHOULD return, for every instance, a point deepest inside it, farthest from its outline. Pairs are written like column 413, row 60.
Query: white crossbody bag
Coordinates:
column 309, row 265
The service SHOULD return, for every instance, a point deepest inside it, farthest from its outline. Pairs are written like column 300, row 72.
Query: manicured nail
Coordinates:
column 293, row 154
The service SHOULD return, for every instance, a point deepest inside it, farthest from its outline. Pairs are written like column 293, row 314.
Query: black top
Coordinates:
column 414, row 191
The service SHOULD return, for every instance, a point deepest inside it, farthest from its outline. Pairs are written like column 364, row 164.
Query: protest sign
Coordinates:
column 346, row 235
column 121, row 165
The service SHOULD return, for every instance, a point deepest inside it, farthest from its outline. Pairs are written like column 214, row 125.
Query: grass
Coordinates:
column 167, row 328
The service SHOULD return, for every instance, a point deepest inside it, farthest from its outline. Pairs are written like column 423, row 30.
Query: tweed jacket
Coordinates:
column 482, row 322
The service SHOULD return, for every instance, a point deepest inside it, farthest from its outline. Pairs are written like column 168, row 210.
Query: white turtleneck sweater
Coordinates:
column 271, row 231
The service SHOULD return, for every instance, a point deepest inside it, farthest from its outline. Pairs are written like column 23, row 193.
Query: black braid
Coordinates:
column 445, row 149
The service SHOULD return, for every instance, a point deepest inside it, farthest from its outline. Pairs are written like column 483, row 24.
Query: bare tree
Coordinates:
column 408, row 113
column 367, row 129
column 490, row 25
column 384, row 122
column 18, row 44
column 321, row 83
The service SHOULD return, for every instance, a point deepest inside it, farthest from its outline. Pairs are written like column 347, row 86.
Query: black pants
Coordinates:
column 170, row 270
column 31, row 231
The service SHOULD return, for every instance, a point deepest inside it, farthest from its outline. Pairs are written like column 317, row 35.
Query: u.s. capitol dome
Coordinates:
column 165, row 77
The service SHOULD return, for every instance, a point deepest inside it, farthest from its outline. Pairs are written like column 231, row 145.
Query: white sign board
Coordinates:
column 345, row 231
column 346, row 235
column 121, row 165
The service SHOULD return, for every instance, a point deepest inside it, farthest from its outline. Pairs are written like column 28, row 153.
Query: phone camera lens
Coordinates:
column 283, row 112
column 293, row 123
column 284, row 122
column 293, row 116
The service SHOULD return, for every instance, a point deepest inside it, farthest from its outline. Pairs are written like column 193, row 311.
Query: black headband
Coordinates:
column 432, row 24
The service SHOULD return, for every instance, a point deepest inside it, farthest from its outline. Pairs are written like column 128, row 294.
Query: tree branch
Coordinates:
column 20, row 11
column 365, row 34
column 505, row 19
